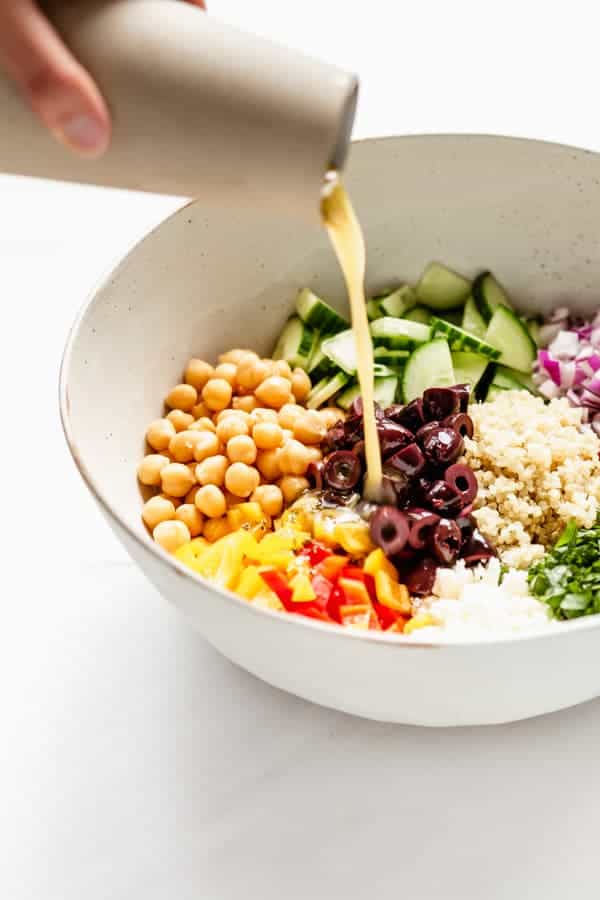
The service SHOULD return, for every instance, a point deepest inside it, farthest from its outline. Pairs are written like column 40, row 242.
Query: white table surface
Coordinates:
column 137, row 763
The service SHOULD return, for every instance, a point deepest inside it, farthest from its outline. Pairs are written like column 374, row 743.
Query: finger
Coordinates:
column 56, row 86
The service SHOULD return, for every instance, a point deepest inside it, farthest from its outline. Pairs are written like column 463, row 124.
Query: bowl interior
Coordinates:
column 206, row 281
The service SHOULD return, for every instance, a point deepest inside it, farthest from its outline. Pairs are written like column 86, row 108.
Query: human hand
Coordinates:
column 54, row 84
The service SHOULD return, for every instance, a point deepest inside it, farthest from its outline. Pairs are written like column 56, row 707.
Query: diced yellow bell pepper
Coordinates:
column 356, row 615
column 185, row 554
column 199, row 545
column 302, row 588
column 354, row 538
column 323, row 529
column 222, row 562
column 245, row 514
column 275, row 549
column 332, row 565
column 421, row 620
column 377, row 561
column 391, row 594
column 250, row 583
column 268, row 600
column 355, row 592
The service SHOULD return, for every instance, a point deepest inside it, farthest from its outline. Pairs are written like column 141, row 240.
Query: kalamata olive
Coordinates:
column 467, row 525
column 446, row 541
column 359, row 450
column 387, row 493
column 421, row 522
column 335, row 439
column 463, row 393
column 462, row 479
column 442, row 446
column 353, row 430
column 342, row 470
column 392, row 437
column 477, row 549
column 440, row 402
column 400, row 483
column 314, row 474
column 461, row 422
column 409, row 460
column 411, row 415
column 425, row 431
column 389, row 529
column 421, row 577
column 444, row 499
column 356, row 407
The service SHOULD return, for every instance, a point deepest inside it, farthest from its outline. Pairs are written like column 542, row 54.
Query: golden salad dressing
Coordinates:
column 347, row 238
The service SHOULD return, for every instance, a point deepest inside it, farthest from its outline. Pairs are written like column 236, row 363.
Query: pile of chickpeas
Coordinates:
column 234, row 432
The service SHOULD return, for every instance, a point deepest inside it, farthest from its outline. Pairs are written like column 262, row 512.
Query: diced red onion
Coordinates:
column 565, row 345
column 551, row 366
column 549, row 389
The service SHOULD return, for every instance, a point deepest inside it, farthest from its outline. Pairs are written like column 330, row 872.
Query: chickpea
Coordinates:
column 231, row 426
column 206, row 445
column 241, row 448
column 182, row 445
column 293, row 458
column 176, row 479
column 180, row 420
column 228, row 371
column 274, row 391
column 270, row 498
column 267, row 435
column 217, row 394
column 190, row 497
column 245, row 404
column 262, row 415
column 182, row 396
column 210, row 501
column 313, row 454
column 200, row 410
column 301, row 385
column 233, row 356
column 251, row 372
column 267, row 462
column 282, row 368
column 241, row 479
column 292, row 486
column 309, row 427
column 176, row 501
column 191, row 517
column 171, row 535
column 157, row 509
column 150, row 468
column 159, row 433
column 203, row 424
column 288, row 414
column 214, row 529
column 197, row 373
column 330, row 415
column 212, row 470
column 287, row 435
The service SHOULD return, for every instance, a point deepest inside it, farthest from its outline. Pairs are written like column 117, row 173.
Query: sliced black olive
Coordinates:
column 440, row 402
column 461, row 422
column 462, row 478
column 446, row 541
column 342, row 470
column 442, row 446
column 389, row 529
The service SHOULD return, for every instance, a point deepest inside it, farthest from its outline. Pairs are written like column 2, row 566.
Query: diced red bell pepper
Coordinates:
column 336, row 599
column 314, row 552
column 353, row 572
column 279, row 585
column 322, row 588
column 387, row 617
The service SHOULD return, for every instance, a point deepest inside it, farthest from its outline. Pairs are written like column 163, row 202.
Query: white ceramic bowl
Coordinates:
column 206, row 281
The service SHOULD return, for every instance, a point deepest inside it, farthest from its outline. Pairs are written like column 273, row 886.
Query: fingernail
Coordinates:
column 83, row 133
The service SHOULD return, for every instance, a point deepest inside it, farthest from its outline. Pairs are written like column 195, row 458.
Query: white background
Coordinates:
column 135, row 762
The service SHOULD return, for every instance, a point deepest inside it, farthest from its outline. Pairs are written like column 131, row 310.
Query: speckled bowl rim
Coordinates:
column 288, row 621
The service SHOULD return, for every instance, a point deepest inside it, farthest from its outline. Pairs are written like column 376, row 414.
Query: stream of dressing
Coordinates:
column 346, row 236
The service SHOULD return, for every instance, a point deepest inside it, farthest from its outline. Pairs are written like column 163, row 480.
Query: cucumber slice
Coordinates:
column 399, row 301
column 488, row 295
column 319, row 365
column 373, row 309
column 533, row 327
column 348, row 396
column 390, row 357
column 504, row 375
column 325, row 390
column 430, row 365
column 453, row 316
column 318, row 314
column 468, row 368
column 459, row 339
column 419, row 314
column 508, row 335
column 381, row 371
column 472, row 321
column 398, row 334
column 441, row 288
column 296, row 343
column 384, row 391
column 341, row 350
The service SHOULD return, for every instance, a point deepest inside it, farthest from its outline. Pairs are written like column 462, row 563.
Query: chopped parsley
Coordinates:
column 568, row 577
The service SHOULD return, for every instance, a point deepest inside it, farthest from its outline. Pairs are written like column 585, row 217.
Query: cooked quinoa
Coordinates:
column 537, row 467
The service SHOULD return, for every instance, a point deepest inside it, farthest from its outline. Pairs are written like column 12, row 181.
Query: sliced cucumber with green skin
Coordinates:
column 398, row 334
column 348, row 396
column 341, row 350
column 504, row 375
column 468, row 368
column 318, row 314
column 453, row 316
column 373, row 309
column 533, row 327
column 441, row 288
column 390, row 357
column 296, row 343
column 326, row 389
column 381, row 371
column 319, row 365
column 419, row 314
column 488, row 295
column 512, row 339
column 399, row 301
column 430, row 365
column 472, row 321
column 459, row 339
column 384, row 391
